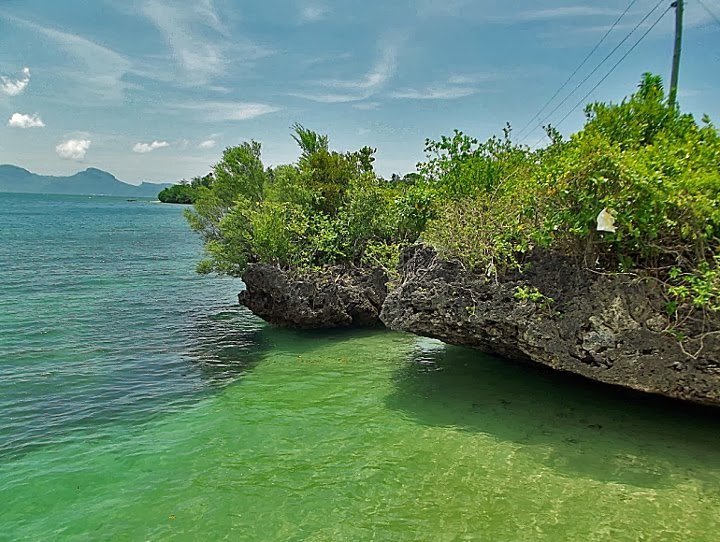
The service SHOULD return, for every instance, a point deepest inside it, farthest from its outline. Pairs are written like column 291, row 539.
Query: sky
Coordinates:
column 154, row 90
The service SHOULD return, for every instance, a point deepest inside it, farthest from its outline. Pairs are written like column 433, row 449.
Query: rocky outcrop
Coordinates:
column 609, row 328
column 329, row 297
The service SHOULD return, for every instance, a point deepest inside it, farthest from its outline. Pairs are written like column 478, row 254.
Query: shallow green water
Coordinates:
column 138, row 403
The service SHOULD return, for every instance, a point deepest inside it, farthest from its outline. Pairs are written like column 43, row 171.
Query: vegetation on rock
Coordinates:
column 654, row 170
column 641, row 164
column 327, row 208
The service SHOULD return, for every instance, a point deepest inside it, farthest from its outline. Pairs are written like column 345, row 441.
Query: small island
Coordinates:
column 185, row 192
column 598, row 254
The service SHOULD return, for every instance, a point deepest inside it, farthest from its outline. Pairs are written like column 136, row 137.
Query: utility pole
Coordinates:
column 679, row 8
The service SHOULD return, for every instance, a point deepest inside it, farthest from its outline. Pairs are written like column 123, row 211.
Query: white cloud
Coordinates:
column 559, row 13
column 694, row 16
column 689, row 92
column 200, row 57
column 143, row 148
column 95, row 73
column 460, row 80
column 435, row 93
column 20, row 120
column 313, row 13
column 199, row 41
column 73, row 149
column 228, row 111
column 475, row 78
column 13, row 87
column 383, row 69
column 207, row 144
column 456, row 86
column 328, row 97
column 330, row 58
column 356, row 90
column 366, row 106
column 240, row 111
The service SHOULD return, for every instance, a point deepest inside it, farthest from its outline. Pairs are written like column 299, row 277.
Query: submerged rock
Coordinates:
column 329, row 297
column 609, row 328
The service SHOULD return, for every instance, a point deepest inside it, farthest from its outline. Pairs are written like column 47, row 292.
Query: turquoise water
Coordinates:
column 140, row 403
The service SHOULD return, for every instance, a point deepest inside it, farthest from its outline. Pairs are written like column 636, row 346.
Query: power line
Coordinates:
column 594, row 71
column 607, row 57
column 717, row 20
column 582, row 101
column 587, row 57
column 625, row 55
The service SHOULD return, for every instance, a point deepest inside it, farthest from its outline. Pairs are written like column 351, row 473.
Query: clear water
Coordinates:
column 138, row 402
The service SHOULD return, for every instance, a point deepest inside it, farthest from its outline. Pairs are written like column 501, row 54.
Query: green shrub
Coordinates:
column 654, row 169
column 487, row 204
column 328, row 208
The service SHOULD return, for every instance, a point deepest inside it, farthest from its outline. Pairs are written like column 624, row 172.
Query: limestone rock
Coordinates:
column 604, row 327
column 330, row 297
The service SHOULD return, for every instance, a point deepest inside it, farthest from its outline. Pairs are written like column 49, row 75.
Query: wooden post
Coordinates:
column 679, row 8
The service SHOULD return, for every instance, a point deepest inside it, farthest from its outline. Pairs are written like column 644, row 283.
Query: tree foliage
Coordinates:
column 488, row 204
column 328, row 208
column 184, row 192
column 655, row 170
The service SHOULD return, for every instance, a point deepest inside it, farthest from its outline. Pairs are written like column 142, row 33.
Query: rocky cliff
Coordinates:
column 610, row 328
column 329, row 297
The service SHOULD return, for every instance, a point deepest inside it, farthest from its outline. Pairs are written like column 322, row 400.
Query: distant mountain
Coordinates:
column 91, row 182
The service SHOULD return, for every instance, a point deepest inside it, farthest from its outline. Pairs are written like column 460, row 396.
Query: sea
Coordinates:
column 139, row 401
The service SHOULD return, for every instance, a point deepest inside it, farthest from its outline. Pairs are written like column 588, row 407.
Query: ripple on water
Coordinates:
column 139, row 402
column 104, row 323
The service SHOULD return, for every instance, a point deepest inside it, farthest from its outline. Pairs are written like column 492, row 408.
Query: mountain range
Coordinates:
column 91, row 182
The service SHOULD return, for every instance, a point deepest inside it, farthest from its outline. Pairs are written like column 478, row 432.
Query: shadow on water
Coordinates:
column 224, row 346
column 572, row 425
column 209, row 352
column 229, row 344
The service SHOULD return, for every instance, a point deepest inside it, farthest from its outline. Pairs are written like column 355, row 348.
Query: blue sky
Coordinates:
column 155, row 89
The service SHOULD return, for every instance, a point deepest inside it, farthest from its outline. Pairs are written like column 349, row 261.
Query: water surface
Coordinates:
column 140, row 403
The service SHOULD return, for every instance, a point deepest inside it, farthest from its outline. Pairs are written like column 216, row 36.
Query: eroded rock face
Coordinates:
column 331, row 297
column 605, row 327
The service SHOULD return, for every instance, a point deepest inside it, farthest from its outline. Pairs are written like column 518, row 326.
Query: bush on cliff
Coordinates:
column 328, row 208
column 640, row 164
column 655, row 171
